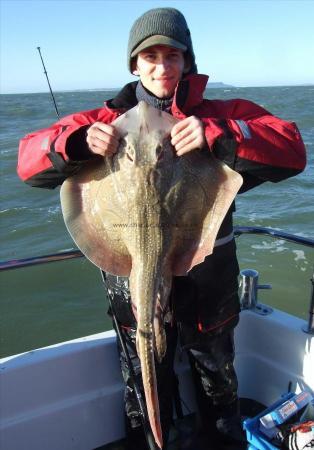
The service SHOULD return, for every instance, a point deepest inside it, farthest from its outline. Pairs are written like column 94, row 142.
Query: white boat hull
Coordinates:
column 70, row 395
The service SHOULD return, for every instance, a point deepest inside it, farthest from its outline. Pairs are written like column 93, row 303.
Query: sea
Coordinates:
column 51, row 303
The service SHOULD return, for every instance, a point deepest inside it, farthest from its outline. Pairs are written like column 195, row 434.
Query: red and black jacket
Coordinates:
column 245, row 136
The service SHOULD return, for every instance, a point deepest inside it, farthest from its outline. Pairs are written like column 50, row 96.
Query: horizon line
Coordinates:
column 223, row 85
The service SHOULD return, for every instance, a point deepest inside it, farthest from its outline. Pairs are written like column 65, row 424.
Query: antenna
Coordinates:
column 45, row 72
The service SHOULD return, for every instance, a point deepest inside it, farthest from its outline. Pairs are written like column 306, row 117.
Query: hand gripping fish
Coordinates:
column 147, row 214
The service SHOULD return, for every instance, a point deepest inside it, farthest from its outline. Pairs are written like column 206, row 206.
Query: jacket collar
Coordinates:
column 188, row 95
column 125, row 99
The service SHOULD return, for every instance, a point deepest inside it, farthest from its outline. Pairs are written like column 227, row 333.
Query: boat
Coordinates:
column 70, row 395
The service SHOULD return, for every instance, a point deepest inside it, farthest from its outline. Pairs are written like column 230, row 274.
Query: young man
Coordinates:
column 242, row 134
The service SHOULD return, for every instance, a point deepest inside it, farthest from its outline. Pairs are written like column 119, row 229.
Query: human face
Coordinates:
column 160, row 68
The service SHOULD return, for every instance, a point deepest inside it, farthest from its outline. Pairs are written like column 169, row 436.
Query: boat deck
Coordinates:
column 183, row 435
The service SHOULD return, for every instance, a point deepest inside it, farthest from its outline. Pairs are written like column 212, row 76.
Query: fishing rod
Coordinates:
column 150, row 441
column 51, row 93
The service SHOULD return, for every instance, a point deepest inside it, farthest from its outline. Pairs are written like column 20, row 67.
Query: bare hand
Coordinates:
column 102, row 139
column 188, row 135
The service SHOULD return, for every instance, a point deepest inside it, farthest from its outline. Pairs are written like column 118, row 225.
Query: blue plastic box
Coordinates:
column 256, row 439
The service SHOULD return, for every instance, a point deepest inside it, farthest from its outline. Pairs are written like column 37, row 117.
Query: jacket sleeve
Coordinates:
column 255, row 143
column 48, row 156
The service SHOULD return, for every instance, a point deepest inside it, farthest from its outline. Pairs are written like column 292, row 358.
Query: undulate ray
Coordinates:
column 147, row 214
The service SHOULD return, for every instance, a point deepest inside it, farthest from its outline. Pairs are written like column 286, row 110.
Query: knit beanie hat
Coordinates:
column 160, row 26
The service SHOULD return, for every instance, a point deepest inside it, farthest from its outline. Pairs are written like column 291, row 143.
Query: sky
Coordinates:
column 83, row 43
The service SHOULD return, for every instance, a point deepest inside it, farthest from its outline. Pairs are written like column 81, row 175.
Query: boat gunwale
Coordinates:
column 71, row 254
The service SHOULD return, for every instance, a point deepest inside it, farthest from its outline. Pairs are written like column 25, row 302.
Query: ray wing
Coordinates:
column 94, row 218
column 202, row 192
